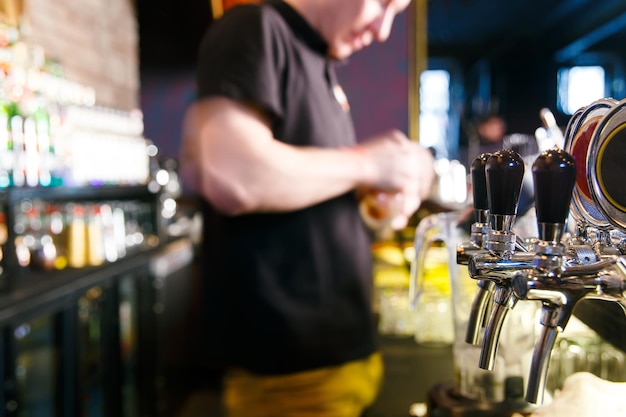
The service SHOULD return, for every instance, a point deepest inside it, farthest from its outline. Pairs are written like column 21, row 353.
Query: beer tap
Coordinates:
column 554, row 175
column 556, row 282
column 504, row 172
column 479, row 233
column 480, row 227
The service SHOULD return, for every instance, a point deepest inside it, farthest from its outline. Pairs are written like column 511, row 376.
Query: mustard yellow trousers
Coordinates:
column 338, row 391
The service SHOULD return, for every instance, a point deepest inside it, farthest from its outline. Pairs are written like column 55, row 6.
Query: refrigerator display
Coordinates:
column 128, row 327
column 90, row 353
column 37, row 368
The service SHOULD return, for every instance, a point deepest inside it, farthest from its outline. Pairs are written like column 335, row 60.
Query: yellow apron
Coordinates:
column 337, row 391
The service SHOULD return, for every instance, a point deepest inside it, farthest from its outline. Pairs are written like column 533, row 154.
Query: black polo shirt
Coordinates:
column 290, row 291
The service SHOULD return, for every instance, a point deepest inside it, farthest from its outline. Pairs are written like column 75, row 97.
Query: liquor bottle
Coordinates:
column 18, row 173
column 57, row 231
column 4, row 234
column 30, row 152
column 76, row 236
column 6, row 153
column 44, row 146
column 95, row 242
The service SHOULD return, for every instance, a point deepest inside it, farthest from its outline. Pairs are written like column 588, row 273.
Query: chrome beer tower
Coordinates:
column 559, row 281
column 557, row 272
column 499, row 261
column 464, row 251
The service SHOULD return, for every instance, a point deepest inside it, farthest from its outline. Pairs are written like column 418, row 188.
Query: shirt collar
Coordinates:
column 300, row 26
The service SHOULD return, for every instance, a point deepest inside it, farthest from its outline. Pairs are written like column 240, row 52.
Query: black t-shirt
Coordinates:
column 285, row 292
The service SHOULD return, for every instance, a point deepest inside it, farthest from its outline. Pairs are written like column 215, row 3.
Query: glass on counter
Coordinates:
column 382, row 211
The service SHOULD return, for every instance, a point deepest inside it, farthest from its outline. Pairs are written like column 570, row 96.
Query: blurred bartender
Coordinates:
column 271, row 147
column 487, row 136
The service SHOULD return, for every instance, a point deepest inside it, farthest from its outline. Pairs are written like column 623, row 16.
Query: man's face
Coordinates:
column 492, row 130
column 354, row 24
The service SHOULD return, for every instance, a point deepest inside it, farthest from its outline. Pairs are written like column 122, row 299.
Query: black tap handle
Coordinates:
column 479, row 182
column 504, row 171
column 554, row 176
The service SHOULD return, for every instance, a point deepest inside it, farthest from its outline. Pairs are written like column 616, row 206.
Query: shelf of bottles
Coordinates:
column 52, row 234
column 74, row 175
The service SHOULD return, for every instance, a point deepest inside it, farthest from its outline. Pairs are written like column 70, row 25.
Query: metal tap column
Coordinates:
column 479, row 233
column 554, row 175
column 504, row 172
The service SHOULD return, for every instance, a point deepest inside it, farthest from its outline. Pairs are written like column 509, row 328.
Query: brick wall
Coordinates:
column 96, row 42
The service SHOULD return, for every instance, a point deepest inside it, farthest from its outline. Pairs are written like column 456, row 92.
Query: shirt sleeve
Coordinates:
column 241, row 58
